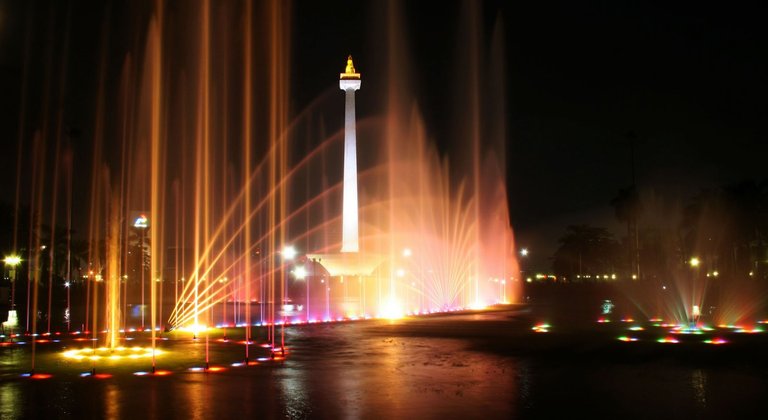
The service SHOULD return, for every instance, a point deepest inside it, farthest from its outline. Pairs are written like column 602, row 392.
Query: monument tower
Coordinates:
column 349, row 82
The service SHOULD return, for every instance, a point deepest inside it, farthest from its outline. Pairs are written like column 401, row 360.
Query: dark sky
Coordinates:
column 686, row 78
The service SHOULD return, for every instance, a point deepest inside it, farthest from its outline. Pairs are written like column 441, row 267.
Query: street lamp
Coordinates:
column 301, row 274
column 12, row 261
column 288, row 253
column 142, row 224
column 524, row 252
column 68, row 316
column 695, row 311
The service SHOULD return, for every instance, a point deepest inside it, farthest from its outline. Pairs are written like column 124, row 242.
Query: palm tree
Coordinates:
column 628, row 207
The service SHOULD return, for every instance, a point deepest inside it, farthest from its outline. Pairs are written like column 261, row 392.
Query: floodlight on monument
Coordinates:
column 300, row 272
column 289, row 252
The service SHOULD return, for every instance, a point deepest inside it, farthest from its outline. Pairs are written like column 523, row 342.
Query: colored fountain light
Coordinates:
column 95, row 375
column 541, row 328
column 679, row 329
column 743, row 330
column 106, row 353
column 671, row 340
column 392, row 310
column 716, row 341
column 627, row 339
column 36, row 375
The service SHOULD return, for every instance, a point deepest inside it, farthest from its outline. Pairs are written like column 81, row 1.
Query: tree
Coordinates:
column 729, row 226
column 586, row 250
column 628, row 207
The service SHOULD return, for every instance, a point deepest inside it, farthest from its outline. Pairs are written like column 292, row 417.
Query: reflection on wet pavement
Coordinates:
column 459, row 366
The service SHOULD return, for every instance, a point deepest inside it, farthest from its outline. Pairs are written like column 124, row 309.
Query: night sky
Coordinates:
column 686, row 81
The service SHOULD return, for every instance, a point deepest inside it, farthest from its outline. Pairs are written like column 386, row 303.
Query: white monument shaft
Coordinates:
column 349, row 83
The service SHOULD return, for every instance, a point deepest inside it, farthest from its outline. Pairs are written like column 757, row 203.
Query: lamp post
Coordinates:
column 141, row 223
column 288, row 253
column 11, row 262
column 695, row 310
column 301, row 274
column 67, row 284
column 327, row 300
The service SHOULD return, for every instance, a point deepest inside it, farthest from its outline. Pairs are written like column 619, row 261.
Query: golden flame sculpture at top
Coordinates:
column 349, row 72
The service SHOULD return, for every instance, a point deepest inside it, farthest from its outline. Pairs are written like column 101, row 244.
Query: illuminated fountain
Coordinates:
column 399, row 231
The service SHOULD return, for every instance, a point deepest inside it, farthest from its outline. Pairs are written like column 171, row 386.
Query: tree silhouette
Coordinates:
column 627, row 208
column 585, row 250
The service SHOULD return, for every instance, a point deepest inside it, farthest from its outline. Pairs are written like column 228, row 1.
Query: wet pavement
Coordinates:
column 480, row 365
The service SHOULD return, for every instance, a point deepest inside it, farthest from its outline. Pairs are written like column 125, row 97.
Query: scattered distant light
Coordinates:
column 715, row 273
column 407, row 252
column 694, row 262
column 627, row 339
column 541, row 328
column 524, row 252
column 751, row 273
column 66, row 284
column 672, row 340
column 636, row 328
column 634, row 276
column 716, row 340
